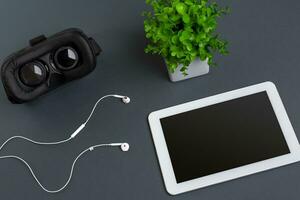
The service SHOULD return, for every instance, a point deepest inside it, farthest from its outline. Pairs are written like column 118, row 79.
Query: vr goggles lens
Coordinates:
column 66, row 58
column 33, row 74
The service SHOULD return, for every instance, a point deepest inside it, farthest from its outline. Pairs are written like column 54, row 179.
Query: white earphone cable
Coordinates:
column 34, row 142
column 71, row 171
column 95, row 106
column 56, row 143
column 65, row 140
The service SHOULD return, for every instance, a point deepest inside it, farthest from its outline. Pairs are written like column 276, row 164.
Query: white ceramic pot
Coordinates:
column 196, row 68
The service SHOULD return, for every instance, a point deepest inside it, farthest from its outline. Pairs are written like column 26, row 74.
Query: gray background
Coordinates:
column 264, row 45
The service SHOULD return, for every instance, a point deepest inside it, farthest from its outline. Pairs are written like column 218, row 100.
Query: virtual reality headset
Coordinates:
column 48, row 63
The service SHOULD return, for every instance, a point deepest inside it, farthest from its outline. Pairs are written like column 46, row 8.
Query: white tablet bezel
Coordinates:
column 164, row 159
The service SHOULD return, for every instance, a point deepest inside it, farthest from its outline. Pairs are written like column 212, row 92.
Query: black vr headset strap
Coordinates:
column 37, row 40
column 95, row 47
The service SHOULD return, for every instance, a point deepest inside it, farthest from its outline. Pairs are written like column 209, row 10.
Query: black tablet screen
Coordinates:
column 223, row 136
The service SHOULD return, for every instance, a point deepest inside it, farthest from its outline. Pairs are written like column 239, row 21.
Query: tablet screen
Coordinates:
column 223, row 136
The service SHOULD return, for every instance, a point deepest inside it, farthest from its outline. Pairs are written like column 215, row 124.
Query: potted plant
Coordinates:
column 183, row 33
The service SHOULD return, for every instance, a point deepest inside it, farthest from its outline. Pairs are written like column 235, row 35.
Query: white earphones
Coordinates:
column 125, row 99
column 124, row 146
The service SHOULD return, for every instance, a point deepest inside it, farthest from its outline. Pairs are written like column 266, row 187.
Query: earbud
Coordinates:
column 125, row 99
column 124, row 146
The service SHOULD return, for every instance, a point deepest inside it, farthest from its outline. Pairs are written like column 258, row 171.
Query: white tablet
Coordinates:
column 223, row 137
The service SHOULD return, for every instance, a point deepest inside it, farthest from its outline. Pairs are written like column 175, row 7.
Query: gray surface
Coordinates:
column 264, row 38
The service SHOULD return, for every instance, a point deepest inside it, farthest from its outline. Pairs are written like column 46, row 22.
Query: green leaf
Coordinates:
column 185, row 35
column 186, row 18
column 174, row 39
column 189, row 46
column 181, row 8
column 175, row 18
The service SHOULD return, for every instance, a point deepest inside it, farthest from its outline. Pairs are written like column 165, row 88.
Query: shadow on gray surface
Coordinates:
column 152, row 64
